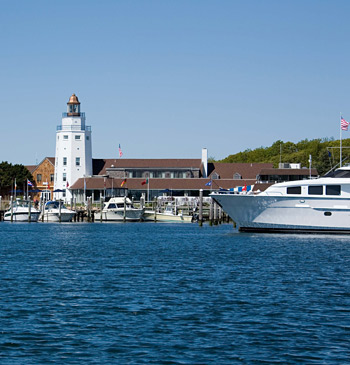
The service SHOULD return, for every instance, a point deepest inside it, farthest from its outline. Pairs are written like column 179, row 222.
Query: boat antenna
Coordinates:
column 329, row 156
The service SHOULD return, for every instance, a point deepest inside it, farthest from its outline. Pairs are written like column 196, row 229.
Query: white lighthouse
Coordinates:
column 73, row 149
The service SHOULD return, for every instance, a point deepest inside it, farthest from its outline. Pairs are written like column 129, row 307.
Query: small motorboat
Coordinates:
column 168, row 215
column 20, row 212
column 56, row 211
column 119, row 209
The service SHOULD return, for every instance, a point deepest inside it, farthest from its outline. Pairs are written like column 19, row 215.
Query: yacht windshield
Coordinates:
column 54, row 205
column 339, row 174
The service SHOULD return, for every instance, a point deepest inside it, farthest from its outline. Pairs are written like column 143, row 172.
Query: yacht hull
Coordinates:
column 21, row 216
column 164, row 217
column 263, row 213
column 131, row 215
column 54, row 217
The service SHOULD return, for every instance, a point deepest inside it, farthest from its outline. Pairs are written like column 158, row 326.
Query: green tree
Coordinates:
column 8, row 174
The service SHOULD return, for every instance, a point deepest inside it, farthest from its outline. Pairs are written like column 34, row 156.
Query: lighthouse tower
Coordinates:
column 73, row 149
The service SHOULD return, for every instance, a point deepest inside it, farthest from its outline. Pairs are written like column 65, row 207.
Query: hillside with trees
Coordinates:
column 325, row 153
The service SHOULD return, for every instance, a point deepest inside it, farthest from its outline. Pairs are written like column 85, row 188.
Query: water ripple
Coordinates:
column 171, row 294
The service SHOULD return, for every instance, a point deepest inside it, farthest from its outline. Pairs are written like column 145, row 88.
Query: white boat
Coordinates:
column 20, row 212
column 321, row 204
column 168, row 215
column 119, row 209
column 53, row 212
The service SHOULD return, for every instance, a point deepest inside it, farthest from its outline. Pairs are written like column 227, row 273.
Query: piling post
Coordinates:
column 42, row 209
column 89, row 208
column 59, row 211
column 11, row 202
column 155, row 208
column 101, row 207
column 211, row 212
column 29, row 210
column 0, row 202
column 215, row 207
column 124, row 213
column 200, row 218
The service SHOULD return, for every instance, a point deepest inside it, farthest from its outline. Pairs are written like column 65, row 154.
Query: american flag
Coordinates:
column 120, row 152
column 344, row 124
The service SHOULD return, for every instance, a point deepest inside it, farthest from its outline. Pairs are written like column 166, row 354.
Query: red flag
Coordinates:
column 144, row 182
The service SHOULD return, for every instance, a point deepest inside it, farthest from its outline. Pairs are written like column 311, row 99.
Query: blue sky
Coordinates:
column 166, row 78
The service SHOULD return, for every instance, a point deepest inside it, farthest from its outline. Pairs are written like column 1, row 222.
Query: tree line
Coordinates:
column 325, row 153
column 8, row 174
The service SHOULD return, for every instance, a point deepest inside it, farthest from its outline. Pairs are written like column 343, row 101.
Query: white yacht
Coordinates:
column 53, row 212
column 119, row 209
column 321, row 204
column 20, row 212
column 170, row 214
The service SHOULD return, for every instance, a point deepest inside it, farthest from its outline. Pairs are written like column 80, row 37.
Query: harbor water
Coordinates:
column 148, row 293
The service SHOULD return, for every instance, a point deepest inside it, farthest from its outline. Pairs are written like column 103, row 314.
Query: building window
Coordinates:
column 215, row 176
column 315, row 190
column 38, row 178
column 294, row 190
column 77, row 137
column 237, row 176
column 77, row 161
column 52, row 176
column 64, row 176
column 64, row 161
column 65, row 136
column 87, row 138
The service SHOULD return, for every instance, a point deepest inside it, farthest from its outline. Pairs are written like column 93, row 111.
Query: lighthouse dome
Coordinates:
column 73, row 100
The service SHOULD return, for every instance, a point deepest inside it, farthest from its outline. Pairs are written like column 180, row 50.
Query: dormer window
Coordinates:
column 237, row 176
column 215, row 176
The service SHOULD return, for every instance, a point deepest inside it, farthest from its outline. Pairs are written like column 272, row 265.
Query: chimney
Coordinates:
column 204, row 162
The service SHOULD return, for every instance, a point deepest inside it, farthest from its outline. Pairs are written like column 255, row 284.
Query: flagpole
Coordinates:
column 148, row 190
column 340, row 163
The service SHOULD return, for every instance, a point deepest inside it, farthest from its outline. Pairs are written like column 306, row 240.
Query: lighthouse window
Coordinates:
column 65, row 136
column 64, row 161
column 294, row 190
column 64, row 176
column 77, row 161
column 77, row 138
column 87, row 138
column 316, row 190
column 332, row 189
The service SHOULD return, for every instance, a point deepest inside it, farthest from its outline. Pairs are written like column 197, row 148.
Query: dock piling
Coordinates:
column 200, row 218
